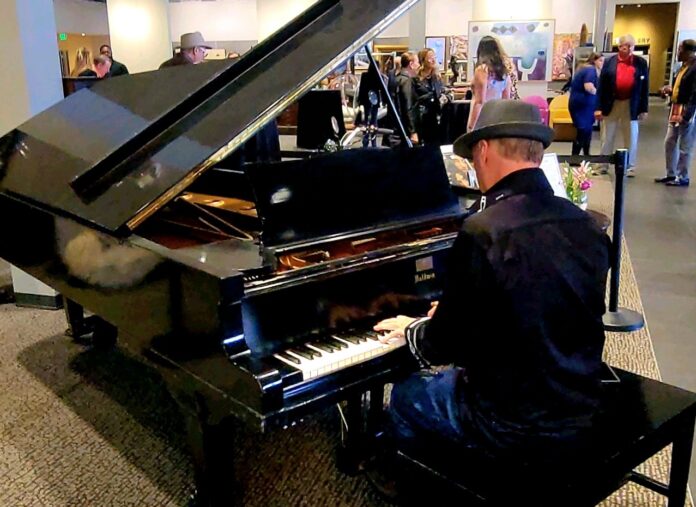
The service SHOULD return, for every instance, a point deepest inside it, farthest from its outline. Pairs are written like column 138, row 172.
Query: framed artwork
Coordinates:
column 564, row 45
column 529, row 44
column 438, row 45
column 459, row 47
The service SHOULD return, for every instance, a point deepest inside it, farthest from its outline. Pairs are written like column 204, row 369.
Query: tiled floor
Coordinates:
column 660, row 229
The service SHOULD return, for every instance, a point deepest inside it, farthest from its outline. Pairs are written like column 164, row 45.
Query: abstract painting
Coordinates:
column 528, row 43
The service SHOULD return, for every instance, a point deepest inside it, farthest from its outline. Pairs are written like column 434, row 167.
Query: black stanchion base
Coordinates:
column 623, row 321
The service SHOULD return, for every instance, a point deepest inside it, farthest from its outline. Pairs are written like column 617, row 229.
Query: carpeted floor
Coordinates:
column 81, row 427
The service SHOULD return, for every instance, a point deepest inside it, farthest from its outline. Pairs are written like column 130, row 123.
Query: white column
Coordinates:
column 29, row 83
column 416, row 26
column 139, row 32
column 29, row 68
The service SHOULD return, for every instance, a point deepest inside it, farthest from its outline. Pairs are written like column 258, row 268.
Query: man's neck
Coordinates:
column 509, row 169
column 626, row 58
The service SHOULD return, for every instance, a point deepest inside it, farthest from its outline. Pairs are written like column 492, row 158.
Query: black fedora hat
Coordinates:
column 505, row 118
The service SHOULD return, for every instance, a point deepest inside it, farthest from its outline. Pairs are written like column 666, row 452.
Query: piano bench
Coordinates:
column 640, row 417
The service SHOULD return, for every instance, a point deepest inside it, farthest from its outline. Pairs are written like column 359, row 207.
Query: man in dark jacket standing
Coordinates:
column 521, row 312
column 623, row 99
column 679, row 141
column 404, row 98
column 117, row 68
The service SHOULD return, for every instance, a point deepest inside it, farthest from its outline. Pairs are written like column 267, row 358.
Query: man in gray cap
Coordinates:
column 520, row 316
column 193, row 49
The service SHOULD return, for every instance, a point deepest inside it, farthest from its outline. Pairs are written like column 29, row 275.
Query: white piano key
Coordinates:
column 329, row 362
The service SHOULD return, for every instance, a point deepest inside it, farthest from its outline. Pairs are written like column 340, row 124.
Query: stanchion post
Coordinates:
column 619, row 319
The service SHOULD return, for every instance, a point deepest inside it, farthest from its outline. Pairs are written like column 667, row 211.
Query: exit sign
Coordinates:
column 63, row 36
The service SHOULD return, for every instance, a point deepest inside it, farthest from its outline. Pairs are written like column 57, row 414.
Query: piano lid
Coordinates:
column 115, row 153
column 350, row 191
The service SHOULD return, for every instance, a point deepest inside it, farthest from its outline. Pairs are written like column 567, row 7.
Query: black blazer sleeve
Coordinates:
column 605, row 90
column 644, row 86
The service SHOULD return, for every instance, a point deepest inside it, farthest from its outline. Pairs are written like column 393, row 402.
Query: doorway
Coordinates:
column 654, row 27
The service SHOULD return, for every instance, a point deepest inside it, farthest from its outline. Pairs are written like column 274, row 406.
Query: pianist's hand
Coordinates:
column 433, row 307
column 396, row 327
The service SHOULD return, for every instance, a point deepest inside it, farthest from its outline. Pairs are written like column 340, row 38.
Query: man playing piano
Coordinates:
column 520, row 318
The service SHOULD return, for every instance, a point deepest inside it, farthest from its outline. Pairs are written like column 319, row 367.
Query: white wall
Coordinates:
column 512, row 9
column 29, row 68
column 139, row 31
column 570, row 15
column 448, row 17
column 273, row 14
column 399, row 28
column 687, row 15
column 222, row 20
column 81, row 16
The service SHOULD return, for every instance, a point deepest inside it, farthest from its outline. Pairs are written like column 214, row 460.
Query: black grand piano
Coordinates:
column 252, row 290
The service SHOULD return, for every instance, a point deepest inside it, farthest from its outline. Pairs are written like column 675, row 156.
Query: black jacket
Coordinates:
column 118, row 69
column 606, row 92
column 404, row 100
column 687, row 91
column 521, row 313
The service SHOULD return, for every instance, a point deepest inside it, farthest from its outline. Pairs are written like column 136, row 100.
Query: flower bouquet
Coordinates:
column 577, row 183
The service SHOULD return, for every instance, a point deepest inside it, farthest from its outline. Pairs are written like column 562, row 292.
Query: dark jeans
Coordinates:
column 582, row 141
column 426, row 405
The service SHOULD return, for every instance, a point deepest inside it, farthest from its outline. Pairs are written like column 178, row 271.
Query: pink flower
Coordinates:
column 585, row 185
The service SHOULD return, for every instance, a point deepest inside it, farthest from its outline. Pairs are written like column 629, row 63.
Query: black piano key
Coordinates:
column 350, row 338
column 372, row 335
column 338, row 343
column 331, row 343
column 324, row 346
column 309, row 350
column 301, row 353
column 289, row 357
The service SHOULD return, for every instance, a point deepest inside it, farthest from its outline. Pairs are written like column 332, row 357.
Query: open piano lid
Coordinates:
column 114, row 154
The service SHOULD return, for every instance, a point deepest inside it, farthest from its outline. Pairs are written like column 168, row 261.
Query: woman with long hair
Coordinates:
column 83, row 61
column 428, row 91
column 583, row 101
column 491, row 80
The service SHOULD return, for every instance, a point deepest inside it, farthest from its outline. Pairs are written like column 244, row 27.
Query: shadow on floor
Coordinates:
column 291, row 467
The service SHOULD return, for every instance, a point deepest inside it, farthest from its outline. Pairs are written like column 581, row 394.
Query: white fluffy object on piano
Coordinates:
column 99, row 259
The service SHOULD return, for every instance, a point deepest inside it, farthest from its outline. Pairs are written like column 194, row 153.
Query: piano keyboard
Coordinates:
column 335, row 352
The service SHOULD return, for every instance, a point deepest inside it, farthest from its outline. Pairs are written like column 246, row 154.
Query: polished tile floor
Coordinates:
column 660, row 229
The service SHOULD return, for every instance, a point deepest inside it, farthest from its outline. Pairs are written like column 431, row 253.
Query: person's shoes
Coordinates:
column 666, row 179
column 678, row 183
column 382, row 481
column 630, row 173
column 599, row 170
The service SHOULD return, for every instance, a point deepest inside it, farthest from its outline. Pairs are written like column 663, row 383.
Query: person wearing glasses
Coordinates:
column 193, row 49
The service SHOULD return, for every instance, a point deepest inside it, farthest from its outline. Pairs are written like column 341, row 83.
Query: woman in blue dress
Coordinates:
column 583, row 101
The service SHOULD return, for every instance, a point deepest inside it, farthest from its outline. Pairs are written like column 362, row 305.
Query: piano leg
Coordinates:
column 349, row 453
column 212, row 449
column 82, row 328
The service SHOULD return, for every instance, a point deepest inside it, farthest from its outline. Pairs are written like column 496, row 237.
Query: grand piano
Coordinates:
column 253, row 290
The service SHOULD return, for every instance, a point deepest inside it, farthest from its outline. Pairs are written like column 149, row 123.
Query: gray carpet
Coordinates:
column 81, row 427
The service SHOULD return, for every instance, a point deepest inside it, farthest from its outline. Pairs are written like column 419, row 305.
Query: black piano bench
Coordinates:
column 640, row 417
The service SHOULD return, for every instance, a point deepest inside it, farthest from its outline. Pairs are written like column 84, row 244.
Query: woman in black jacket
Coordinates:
column 428, row 91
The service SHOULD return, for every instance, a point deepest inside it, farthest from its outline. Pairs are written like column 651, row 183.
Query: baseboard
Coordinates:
column 38, row 301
